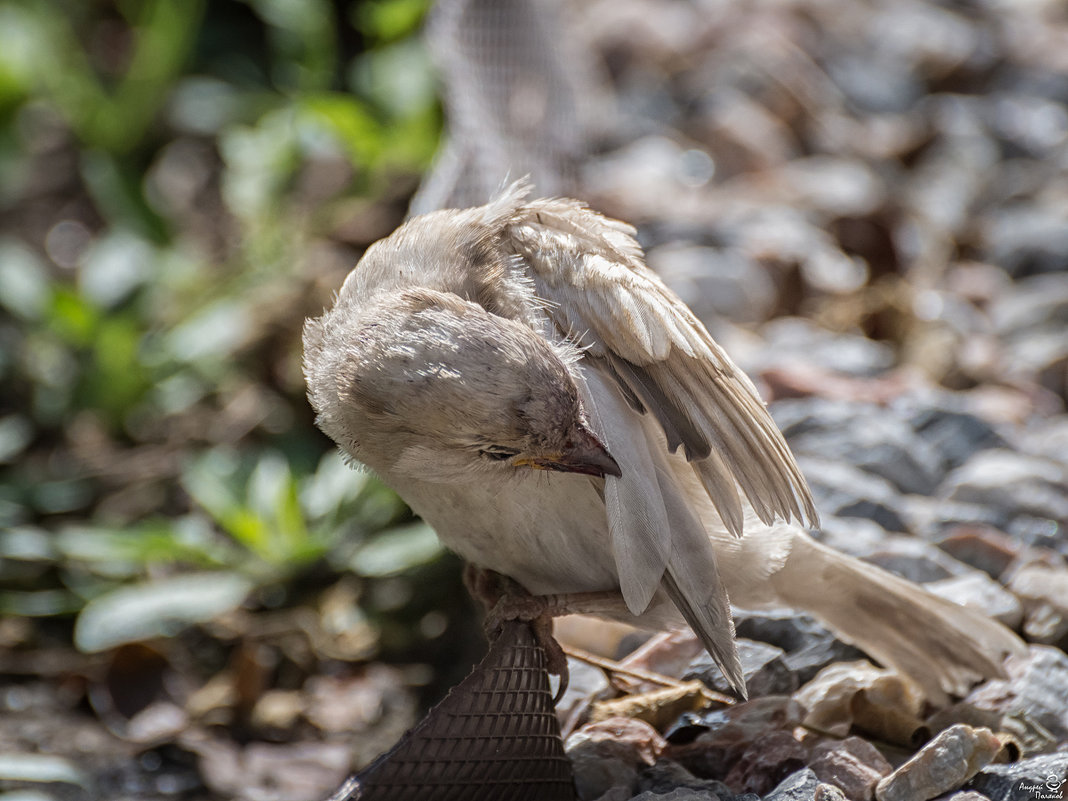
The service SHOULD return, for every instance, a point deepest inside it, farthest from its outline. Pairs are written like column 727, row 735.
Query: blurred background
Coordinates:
column 867, row 204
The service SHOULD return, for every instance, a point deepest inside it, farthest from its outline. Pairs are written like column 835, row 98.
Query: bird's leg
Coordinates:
column 490, row 588
column 486, row 586
column 505, row 600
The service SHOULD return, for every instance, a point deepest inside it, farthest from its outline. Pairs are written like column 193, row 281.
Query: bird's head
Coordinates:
column 425, row 384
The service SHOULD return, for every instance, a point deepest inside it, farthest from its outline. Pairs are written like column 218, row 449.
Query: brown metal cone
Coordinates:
column 494, row 736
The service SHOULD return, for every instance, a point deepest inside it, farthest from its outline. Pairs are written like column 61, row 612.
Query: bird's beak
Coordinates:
column 583, row 453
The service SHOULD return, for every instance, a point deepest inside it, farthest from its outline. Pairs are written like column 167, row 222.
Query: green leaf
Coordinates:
column 113, row 552
column 249, row 529
column 333, row 487
column 24, row 285
column 19, row 44
column 117, row 380
column 157, row 608
column 259, row 160
column 415, row 140
column 351, row 123
column 210, row 333
column 273, row 495
column 397, row 550
column 263, row 514
column 43, row 768
column 62, row 496
column 38, row 603
column 289, row 519
column 72, row 317
column 16, row 432
column 398, row 78
column 388, row 20
column 114, row 266
column 304, row 33
column 117, row 190
column 27, row 544
column 163, row 32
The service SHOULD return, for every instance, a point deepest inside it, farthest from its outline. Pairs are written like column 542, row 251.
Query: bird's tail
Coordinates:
column 941, row 645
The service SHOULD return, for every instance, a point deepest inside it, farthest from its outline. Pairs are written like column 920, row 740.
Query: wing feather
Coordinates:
column 638, row 523
column 598, row 291
column 693, row 583
column 657, row 538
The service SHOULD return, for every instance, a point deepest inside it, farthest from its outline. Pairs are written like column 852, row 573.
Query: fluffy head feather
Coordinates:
column 430, row 385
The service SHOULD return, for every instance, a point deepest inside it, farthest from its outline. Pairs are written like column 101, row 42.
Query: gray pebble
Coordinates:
column 978, row 591
column 847, row 491
column 809, row 646
column 1027, row 779
column 763, row 666
column 1031, row 700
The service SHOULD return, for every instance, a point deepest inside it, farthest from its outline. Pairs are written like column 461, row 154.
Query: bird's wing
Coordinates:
column 657, row 538
column 597, row 290
column 638, row 338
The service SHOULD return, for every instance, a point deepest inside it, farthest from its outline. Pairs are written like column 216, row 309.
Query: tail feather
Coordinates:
column 942, row 646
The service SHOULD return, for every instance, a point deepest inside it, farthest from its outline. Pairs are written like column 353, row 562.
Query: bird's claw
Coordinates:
column 535, row 611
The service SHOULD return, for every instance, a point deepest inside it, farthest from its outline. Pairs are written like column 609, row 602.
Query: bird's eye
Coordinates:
column 498, row 453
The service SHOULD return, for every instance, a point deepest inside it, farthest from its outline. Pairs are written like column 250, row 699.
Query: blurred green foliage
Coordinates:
column 181, row 183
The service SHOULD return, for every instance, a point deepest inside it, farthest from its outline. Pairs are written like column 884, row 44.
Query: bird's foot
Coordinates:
column 534, row 610
column 506, row 600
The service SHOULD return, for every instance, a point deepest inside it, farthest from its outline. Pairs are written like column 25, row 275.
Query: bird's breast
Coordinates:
column 547, row 531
